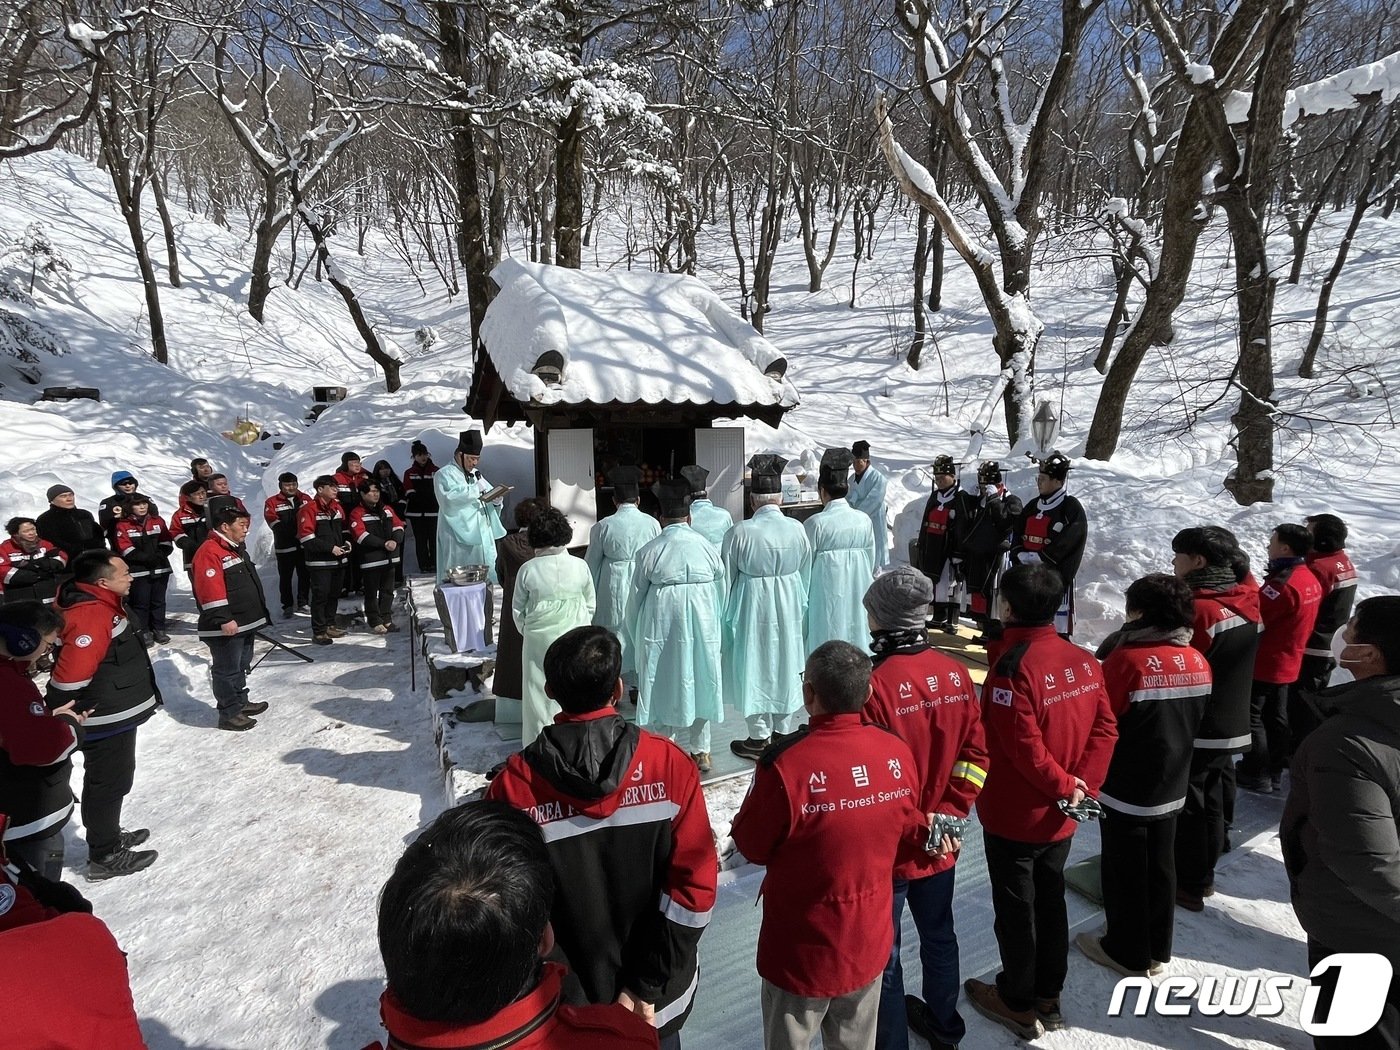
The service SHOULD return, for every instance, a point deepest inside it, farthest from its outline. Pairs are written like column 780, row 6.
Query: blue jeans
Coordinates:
column 230, row 659
column 931, row 904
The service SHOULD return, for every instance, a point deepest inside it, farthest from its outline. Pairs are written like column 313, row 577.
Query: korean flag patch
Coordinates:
column 1001, row 696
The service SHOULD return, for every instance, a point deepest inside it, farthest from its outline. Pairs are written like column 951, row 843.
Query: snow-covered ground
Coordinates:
column 256, row 926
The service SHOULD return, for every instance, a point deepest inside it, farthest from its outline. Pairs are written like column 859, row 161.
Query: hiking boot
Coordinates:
column 147, row 639
column 392, row 627
column 303, row 607
column 1047, row 1011
column 335, row 632
column 161, row 637
column 379, row 628
column 1276, row 781
column 120, row 861
column 920, row 1019
column 239, row 723
column 288, row 612
column 134, row 838
column 751, row 748
column 1190, row 901
column 702, row 761
column 257, row 707
column 986, row 1000
column 1091, row 944
column 321, row 639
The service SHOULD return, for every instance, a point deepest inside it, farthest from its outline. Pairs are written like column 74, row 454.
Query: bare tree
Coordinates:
column 1005, row 158
column 49, row 80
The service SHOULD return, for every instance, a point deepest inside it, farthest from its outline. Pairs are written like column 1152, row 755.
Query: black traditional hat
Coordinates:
column 1056, row 465
column 989, row 473
column 766, row 474
column 698, row 477
column 861, row 450
column 674, row 496
column 836, row 467
column 626, row 482
column 469, row 442
column 944, row 465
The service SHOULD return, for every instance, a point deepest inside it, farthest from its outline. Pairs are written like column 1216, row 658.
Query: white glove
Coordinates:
column 1028, row 557
column 989, row 490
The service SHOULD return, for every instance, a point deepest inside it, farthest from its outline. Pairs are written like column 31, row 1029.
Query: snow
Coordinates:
column 628, row 337
column 256, row 925
column 1199, row 72
column 1342, row 90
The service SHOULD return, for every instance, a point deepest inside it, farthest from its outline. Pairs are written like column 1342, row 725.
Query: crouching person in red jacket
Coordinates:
column 464, row 928
column 831, row 812
column 1050, row 736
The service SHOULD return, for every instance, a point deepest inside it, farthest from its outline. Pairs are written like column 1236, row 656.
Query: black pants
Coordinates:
column 1032, row 926
column 43, row 853
column 230, row 660
column 147, row 601
column 288, row 564
column 109, row 767
column 1268, row 730
column 1200, row 827
column 1139, row 887
column 425, row 541
column 325, row 597
column 1302, row 717
column 379, row 593
column 1386, row 1033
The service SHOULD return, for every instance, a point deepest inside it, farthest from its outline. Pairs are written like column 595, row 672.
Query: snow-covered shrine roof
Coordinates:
column 626, row 337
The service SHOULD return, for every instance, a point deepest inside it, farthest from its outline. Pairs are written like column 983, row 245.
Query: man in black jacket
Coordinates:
column 1341, row 825
column 938, row 546
column 1052, row 531
column 986, row 539
column 231, row 610
column 65, row 526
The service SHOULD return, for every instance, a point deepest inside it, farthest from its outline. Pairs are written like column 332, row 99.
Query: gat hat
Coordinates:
column 418, row 448
column 57, row 490
column 285, row 477
column 861, row 450
column 989, row 473
column 1056, row 465
column 346, row 457
column 767, row 474
column 836, row 466
column 469, row 442
column 120, row 476
column 898, row 599
column 944, row 465
column 674, row 494
column 698, row 477
column 626, row 482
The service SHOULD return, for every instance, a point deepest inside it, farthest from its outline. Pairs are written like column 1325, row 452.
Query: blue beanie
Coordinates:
column 122, row 475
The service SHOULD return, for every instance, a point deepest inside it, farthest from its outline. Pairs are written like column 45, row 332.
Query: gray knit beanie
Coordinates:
column 898, row 600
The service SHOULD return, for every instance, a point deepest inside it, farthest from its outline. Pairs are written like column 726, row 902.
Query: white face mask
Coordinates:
column 1340, row 674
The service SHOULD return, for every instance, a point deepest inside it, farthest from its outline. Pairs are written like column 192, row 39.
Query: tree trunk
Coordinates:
column 568, row 191
column 172, row 254
column 1382, row 158
column 265, row 235
column 921, row 254
column 388, row 364
column 1123, row 271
